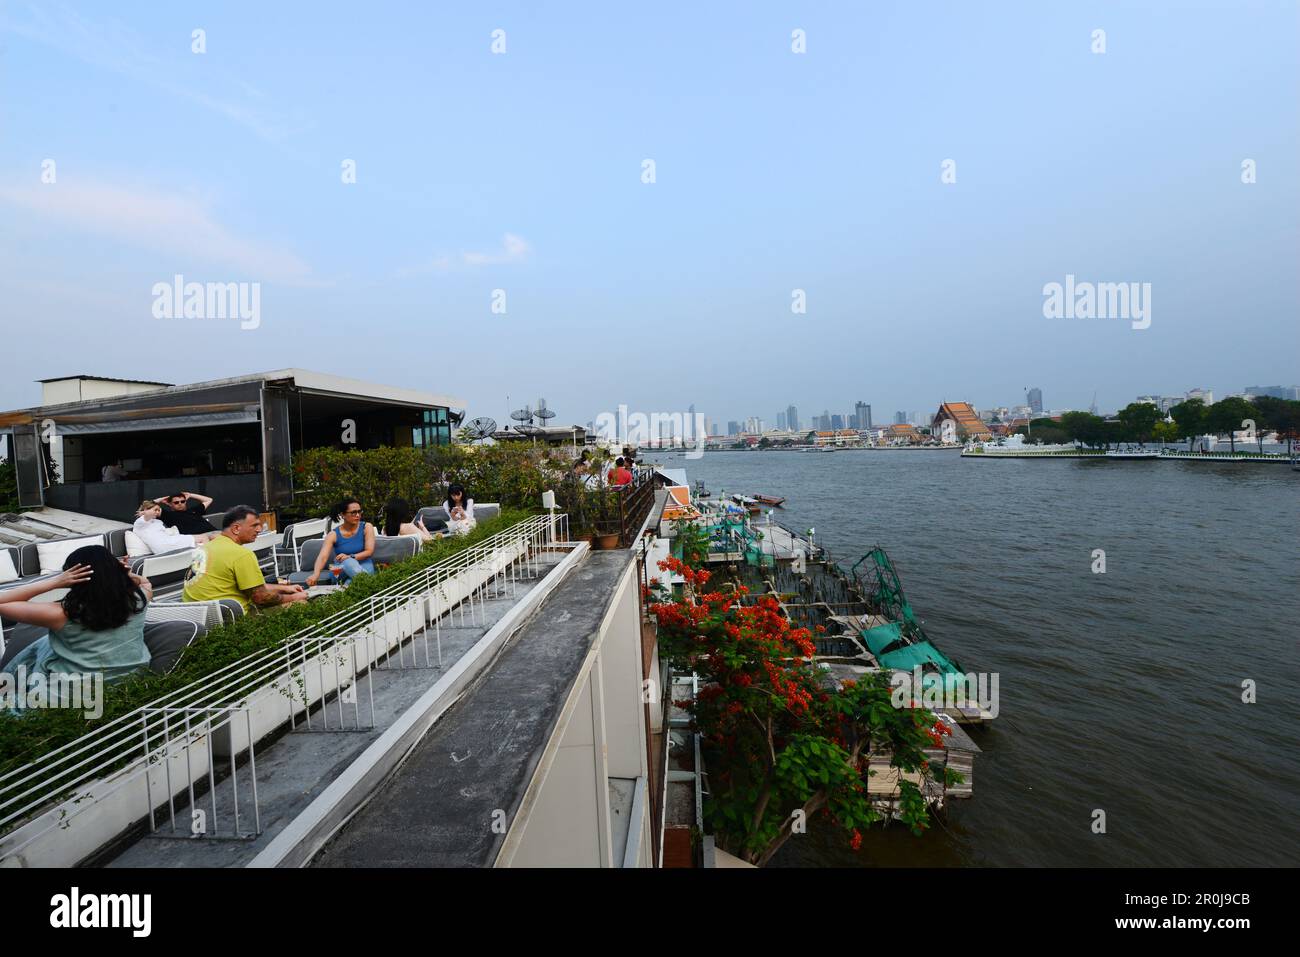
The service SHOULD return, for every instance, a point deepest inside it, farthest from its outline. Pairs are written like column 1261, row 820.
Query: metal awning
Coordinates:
column 192, row 421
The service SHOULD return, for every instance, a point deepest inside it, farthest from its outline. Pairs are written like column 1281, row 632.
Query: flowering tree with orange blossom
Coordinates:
column 785, row 750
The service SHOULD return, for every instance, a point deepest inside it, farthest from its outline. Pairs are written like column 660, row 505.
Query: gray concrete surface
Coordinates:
column 437, row 809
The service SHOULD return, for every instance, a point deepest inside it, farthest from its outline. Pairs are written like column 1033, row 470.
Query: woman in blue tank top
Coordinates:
column 351, row 542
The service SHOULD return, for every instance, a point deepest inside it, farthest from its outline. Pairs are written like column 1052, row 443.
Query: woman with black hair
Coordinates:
column 397, row 520
column 351, row 542
column 96, row 628
column 460, row 510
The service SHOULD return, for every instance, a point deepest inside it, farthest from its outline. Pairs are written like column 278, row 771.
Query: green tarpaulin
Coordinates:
column 882, row 636
column 921, row 653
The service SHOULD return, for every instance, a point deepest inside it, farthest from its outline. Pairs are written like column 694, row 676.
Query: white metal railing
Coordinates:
column 434, row 592
column 200, row 727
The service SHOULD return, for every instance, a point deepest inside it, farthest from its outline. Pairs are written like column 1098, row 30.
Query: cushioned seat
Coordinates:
column 166, row 641
column 17, row 637
column 11, row 564
column 435, row 516
column 46, row 557
column 388, row 549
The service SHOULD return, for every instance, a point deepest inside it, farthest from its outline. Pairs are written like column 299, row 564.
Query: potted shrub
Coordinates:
column 602, row 513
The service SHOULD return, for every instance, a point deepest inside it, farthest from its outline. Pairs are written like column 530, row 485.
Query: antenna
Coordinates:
column 530, row 430
column 523, row 416
column 481, row 428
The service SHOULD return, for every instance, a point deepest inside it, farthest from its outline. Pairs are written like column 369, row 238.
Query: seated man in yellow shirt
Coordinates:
column 224, row 568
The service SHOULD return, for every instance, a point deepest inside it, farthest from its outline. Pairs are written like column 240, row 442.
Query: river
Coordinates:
column 1119, row 691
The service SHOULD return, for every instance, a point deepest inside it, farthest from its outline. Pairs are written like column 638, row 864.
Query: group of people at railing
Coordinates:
column 621, row 473
column 98, row 626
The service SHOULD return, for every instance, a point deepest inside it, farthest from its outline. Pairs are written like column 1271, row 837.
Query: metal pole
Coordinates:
column 252, row 772
column 148, row 782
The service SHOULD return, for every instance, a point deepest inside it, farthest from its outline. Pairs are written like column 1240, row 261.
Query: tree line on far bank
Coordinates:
column 1143, row 422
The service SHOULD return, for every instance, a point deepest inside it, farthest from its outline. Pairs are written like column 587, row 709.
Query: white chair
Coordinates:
column 204, row 614
column 287, row 553
column 264, row 547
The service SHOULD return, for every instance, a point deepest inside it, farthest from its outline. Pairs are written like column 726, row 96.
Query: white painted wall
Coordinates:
column 82, row 390
column 564, row 820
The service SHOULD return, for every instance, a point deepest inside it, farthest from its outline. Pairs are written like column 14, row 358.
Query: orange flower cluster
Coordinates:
column 693, row 576
column 938, row 733
column 787, row 685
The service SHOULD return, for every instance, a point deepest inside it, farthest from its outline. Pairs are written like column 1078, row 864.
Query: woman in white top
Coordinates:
column 460, row 510
column 157, row 536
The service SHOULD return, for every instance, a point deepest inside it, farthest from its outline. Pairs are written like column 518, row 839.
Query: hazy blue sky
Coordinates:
column 775, row 171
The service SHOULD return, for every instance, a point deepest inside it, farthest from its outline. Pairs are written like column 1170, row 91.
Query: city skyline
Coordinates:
column 811, row 422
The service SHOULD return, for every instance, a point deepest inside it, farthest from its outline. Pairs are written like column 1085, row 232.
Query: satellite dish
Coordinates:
column 529, row 429
column 543, row 412
column 524, row 415
column 482, row 427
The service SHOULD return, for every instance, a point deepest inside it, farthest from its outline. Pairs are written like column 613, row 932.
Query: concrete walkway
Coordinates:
column 471, row 771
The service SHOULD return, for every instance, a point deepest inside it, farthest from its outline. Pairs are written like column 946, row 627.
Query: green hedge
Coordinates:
column 512, row 474
column 25, row 737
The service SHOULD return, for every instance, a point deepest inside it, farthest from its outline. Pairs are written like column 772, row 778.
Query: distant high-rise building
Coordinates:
column 861, row 416
column 754, row 425
column 1205, row 395
column 780, row 421
column 733, row 427
column 900, row 418
column 837, row 422
column 1291, row 392
column 1035, row 400
column 792, row 418
column 1162, row 402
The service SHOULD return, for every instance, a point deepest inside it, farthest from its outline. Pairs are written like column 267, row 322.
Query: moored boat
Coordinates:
column 769, row 499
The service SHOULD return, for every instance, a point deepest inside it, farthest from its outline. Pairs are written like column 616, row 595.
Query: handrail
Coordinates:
column 57, row 772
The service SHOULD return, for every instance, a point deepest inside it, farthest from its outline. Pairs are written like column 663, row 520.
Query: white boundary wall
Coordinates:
column 564, row 819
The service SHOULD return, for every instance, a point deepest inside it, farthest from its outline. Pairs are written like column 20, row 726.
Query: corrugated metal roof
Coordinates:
column 301, row 378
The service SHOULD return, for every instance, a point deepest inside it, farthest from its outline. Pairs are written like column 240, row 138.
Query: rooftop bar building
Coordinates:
column 231, row 439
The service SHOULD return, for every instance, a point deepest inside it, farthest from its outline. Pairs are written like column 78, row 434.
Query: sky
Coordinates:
column 500, row 242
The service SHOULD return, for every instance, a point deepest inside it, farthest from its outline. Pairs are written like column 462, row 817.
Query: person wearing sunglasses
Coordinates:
column 351, row 543
column 183, row 511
